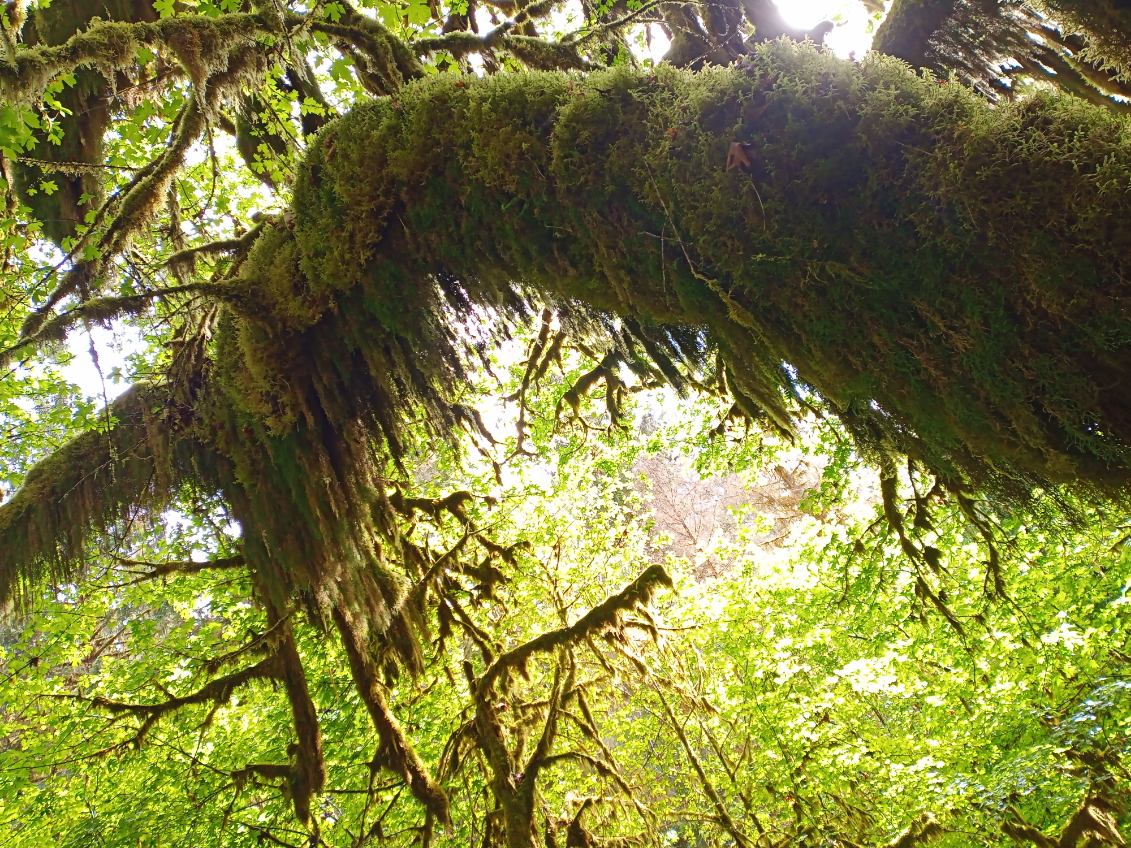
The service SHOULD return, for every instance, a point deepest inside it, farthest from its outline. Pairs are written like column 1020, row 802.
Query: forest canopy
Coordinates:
column 565, row 424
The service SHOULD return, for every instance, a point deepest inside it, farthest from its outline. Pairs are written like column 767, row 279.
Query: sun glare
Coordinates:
column 852, row 35
column 807, row 13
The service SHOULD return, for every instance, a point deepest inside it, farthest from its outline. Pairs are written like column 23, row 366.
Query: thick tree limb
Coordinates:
column 908, row 27
column 307, row 770
column 783, row 262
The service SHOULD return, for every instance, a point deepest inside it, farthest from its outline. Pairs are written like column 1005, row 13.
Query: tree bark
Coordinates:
column 908, row 27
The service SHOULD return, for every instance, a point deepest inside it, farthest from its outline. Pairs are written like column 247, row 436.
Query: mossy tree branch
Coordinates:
column 216, row 691
column 1106, row 25
column 395, row 752
column 722, row 815
column 204, row 44
column 103, row 309
column 160, row 570
column 514, row 778
column 851, row 247
column 134, row 206
column 604, row 616
column 923, row 830
column 89, row 484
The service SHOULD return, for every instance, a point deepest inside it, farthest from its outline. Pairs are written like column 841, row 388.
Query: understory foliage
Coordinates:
column 333, row 593
column 802, row 691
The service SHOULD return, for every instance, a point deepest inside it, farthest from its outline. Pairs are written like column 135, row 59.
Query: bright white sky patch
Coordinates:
column 112, row 346
column 807, row 13
column 850, row 38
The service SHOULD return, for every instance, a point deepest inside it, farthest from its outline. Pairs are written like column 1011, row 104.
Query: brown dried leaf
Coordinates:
column 738, row 156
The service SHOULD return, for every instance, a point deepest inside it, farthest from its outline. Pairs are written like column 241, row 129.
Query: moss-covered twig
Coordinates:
column 138, row 201
column 606, row 28
column 159, row 570
column 536, row 53
column 396, row 752
column 203, row 44
column 217, row 691
column 103, row 309
column 602, row 617
column 921, row 831
column 237, row 245
column 385, row 62
column 1094, row 823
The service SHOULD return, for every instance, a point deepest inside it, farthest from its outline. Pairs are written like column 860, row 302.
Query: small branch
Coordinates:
column 603, row 616
column 232, row 245
column 919, row 832
column 550, row 726
column 388, row 64
column 396, row 752
column 138, row 200
column 536, row 53
column 724, row 817
column 584, row 35
column 87, row 485
column 218, row 691
column 102, row 309
column 154, row 570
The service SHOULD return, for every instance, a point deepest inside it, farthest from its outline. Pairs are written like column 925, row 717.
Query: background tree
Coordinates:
column 839, row 239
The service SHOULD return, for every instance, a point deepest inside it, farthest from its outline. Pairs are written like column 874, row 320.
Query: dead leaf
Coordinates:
column 738, row 156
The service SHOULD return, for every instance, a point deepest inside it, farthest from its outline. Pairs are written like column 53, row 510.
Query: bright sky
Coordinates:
column 113, row 346
column 851, row 35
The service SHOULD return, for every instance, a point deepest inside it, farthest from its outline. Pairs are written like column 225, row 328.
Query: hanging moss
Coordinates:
column 1107, row 25
column 89, row 484
column 950, row 280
